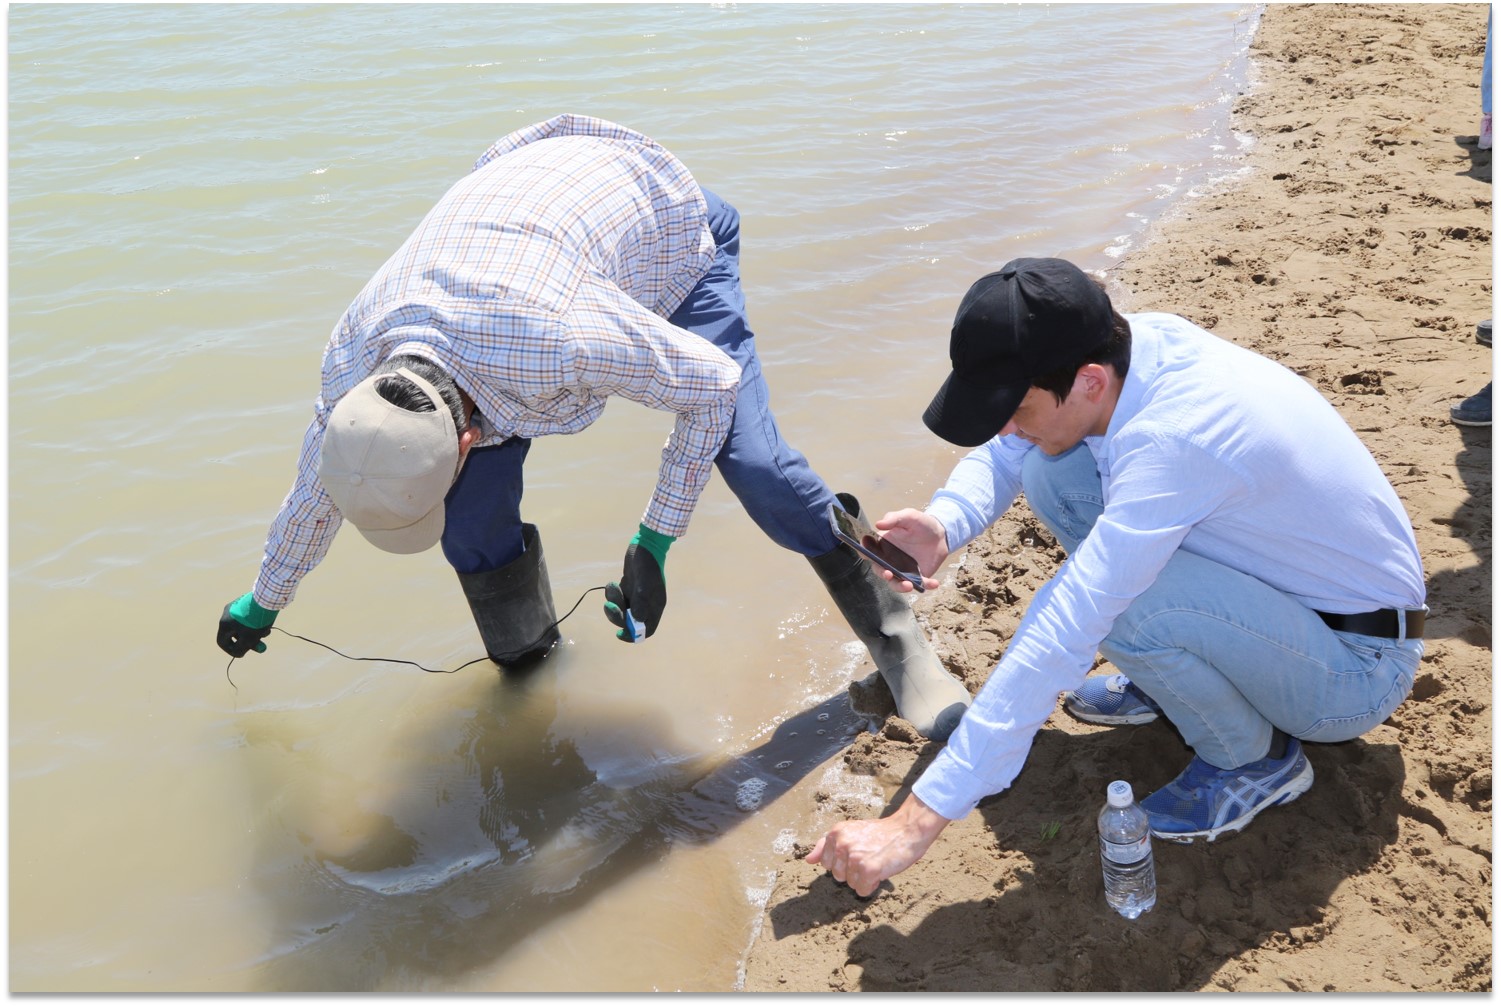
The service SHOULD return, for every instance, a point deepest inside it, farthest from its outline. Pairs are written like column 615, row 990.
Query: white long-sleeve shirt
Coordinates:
column 1215, row 450
column 542, row 282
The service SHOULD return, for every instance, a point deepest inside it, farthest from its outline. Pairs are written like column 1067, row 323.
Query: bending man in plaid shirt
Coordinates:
column 577, row 261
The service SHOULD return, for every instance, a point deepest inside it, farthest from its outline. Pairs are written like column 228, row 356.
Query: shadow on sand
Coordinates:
column 1048, row 929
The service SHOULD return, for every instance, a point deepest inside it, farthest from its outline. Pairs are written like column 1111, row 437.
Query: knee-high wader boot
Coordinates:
column 513, row 607
column 927, row 696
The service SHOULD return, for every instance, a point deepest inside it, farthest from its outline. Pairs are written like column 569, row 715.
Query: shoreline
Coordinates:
column 1357, row 251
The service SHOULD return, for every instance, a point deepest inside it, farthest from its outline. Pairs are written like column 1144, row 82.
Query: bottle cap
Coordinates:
column 1119, row 794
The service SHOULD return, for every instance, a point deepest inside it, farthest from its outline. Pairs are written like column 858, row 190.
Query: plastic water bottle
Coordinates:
column 1126, row 853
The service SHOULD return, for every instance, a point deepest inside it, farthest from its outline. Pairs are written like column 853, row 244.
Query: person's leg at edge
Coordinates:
column 1485, row 89
column 498, row 558
column 789, row 501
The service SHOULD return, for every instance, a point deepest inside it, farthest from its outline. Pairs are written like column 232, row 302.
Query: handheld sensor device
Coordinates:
column 635, row 629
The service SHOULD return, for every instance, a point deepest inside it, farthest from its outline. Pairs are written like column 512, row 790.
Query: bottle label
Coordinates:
column 1126, row 853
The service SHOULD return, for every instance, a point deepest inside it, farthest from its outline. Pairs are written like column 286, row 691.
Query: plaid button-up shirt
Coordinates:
column 542, row 282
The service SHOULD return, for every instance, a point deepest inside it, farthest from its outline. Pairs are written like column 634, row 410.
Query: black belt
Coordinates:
column 1387, row 622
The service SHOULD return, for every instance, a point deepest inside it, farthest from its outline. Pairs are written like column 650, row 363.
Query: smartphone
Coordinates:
column 861, row 537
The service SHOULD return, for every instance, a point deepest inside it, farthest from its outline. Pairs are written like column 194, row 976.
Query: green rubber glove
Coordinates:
column 642, row 589
column 243, row 625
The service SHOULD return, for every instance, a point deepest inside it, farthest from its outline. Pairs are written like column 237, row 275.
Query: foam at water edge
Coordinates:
column 749, row 794
column 840, row 786
column 758, row 896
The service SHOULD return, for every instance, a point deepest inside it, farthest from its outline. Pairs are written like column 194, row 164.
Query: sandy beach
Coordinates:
column 1356, row 249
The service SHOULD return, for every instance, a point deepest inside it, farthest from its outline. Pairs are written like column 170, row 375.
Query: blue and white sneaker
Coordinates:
column 1206, row 803
column 1110, row 699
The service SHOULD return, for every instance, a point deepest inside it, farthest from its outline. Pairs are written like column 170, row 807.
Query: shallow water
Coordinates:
column 196, row 192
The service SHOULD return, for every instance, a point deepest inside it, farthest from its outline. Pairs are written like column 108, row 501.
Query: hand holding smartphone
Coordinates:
column 864, row 539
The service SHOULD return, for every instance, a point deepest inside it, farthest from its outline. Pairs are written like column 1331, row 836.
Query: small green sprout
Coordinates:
column 1050, row 830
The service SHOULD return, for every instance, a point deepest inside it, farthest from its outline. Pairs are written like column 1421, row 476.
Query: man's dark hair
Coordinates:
column 398, row 391
column 1114, row 351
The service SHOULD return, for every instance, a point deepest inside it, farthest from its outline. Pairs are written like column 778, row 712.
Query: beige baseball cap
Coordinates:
column 388, row 468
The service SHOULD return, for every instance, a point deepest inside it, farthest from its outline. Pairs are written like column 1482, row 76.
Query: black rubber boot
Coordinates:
column 512, row 606
column 927, row 696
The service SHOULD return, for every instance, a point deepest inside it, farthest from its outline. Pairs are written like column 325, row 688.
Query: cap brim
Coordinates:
column 969, row 412
column 418, row 536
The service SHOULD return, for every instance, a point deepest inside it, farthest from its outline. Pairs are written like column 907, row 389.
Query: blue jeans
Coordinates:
column 1485, row 71
column 1226, row 656
column 774, row 483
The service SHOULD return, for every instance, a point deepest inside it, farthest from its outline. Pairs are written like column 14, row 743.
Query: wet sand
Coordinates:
column 1357, row 251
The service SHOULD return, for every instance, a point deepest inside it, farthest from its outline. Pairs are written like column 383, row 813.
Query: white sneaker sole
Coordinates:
column 1109, row 719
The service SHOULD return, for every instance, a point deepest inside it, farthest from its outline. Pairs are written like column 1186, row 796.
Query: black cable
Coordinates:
column 431, row 671
column 383, row 660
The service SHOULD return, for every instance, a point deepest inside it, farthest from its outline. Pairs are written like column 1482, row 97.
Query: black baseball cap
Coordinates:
column 1027, row 319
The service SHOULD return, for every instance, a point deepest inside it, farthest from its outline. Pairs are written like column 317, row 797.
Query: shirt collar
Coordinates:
column 1144, row 360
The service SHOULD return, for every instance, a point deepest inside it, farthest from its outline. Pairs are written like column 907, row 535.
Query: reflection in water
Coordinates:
column 517, row 828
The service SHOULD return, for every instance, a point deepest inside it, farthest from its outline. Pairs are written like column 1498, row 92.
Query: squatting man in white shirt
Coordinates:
column 1233, row 549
